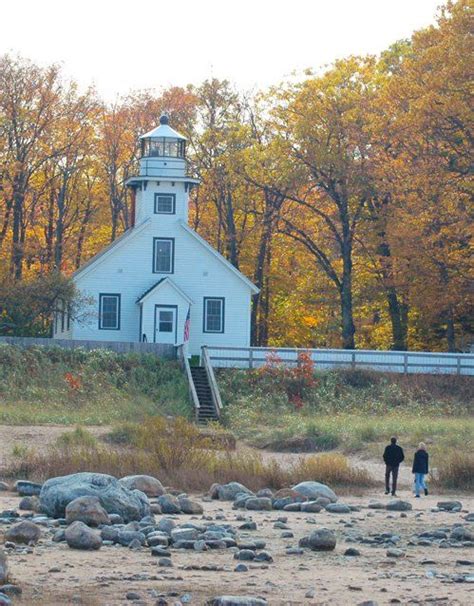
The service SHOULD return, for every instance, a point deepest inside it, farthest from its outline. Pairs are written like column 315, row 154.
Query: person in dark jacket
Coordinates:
column 420, row 469
column 393, row 455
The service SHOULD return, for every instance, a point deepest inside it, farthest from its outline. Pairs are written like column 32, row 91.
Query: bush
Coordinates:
column 456, row 470
column 77, row 437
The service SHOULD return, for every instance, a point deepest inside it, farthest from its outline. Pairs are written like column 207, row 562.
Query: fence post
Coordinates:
column 251, row 359
column 353, row 360
column 405, row 363
column 458, row 365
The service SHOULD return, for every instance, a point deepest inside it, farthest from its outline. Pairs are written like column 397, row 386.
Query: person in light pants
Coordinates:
column 420, row 469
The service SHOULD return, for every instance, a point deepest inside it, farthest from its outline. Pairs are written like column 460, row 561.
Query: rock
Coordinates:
column 184, row 534
column 10, row 589
column 24, row 532
column 133, row 595
column 87, row 510
column 165, row 563
column 245, row 554
column 459, row 533
column 109, row 533
column 338, row 508
column 241, row 568
column 263, row 556
column 160, row 552
column 3, row 567
column 234, row 600
column 377, row 505
column 352, row 552
column 395, row 553
column 126, row 537
column 259, row 504
column 57, row 493
column 449, row 505
column 147, row 484
column 4, row 487
column 248, row 526
column 312, row 490
column 399, row 505
column 265, row 492
column 169, row 504
column 4, row 600
column 320, row 540
column 311, row 507
column 80, row 536
column 29, row 504
column 190, row 507
column 292, row 507
column 228, row 492
column 27, row 489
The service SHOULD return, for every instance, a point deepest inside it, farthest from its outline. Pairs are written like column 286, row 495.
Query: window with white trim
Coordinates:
column 213, row 314
column 163, row 255
column 165, row 204
column 109, row 311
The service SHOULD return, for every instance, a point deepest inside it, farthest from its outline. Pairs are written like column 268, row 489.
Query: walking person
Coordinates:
column 393, row 455
column 420, row 469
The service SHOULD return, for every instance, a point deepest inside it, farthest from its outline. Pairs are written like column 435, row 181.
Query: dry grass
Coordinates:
column 456, row 471
column 176, row 453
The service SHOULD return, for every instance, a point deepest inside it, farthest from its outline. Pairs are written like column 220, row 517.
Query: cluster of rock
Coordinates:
column 309, row 497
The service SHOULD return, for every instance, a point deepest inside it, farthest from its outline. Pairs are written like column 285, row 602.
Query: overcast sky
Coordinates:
column 120, row 45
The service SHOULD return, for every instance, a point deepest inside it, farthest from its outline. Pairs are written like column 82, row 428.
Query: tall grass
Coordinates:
column 54, row 385
column 179, row 455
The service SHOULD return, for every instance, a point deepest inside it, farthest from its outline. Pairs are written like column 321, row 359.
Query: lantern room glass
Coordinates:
column 164, row 147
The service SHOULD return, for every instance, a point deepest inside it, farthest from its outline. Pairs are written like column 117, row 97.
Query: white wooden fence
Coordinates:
column 406, row 362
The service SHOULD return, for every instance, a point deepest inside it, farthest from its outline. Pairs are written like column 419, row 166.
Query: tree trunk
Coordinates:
column 450, row 331
column 18, row 211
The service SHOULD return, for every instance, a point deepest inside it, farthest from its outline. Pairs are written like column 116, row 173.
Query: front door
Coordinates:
column 165, row 324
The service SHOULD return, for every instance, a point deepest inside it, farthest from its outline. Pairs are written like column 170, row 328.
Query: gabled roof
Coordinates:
column 117, row 243
column 218, row 256
column 159, row 285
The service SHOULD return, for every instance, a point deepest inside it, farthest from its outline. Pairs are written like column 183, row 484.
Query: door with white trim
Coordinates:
column 165, row 323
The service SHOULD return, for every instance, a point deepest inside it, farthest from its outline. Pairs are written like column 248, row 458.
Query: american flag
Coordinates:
column 187, row 324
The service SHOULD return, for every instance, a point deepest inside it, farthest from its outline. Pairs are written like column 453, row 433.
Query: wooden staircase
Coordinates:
column 207, row 409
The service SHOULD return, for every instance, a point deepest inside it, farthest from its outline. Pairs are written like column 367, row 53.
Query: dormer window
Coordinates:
column 165, row 204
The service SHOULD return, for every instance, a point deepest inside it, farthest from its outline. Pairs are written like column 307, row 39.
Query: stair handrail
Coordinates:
column 192, row 388
column 216, row 396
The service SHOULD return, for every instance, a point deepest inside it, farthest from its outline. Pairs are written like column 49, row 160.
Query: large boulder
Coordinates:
column 3, row 568
column 87, row 510
column 147, row 484
column 169, row 504
column 320, row 540
column 24, row 532
column 228, row 492
column 114, row 497
column 79, row 536
column 313, row 490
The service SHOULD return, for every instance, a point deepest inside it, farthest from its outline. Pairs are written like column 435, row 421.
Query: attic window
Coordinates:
column 165, row 204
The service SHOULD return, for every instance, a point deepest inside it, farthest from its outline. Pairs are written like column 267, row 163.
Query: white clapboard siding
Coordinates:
column 127, row 270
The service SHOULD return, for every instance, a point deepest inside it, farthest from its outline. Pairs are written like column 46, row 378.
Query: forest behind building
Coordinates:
column 345, row 194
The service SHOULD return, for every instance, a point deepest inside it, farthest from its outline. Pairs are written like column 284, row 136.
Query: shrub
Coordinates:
column 456, row 470
column 77, row 437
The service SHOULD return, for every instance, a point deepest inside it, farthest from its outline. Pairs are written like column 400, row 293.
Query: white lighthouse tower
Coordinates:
column 162, row 186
